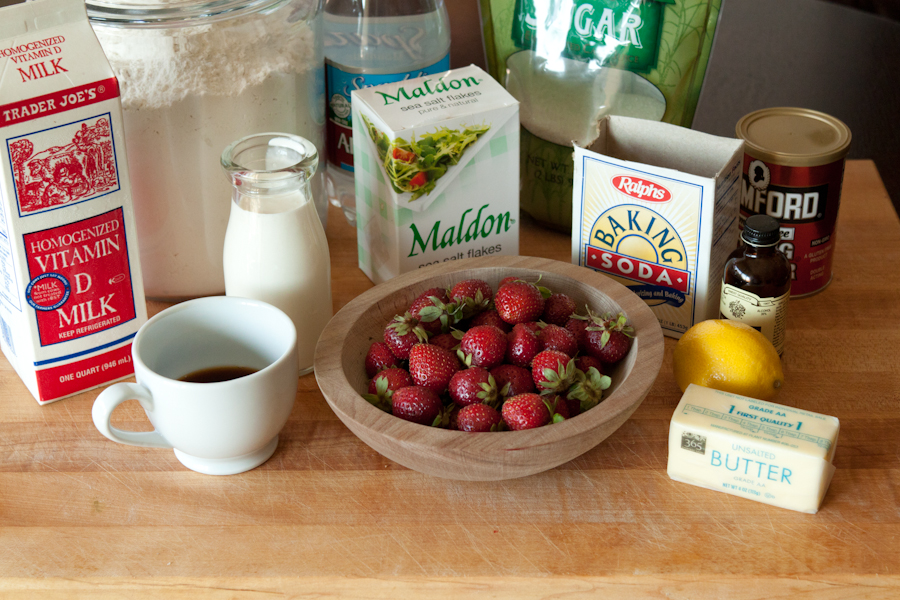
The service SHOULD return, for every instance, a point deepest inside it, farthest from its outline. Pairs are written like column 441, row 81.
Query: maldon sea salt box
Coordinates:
column 436, row 166
column 655, row 206
column 71, row 297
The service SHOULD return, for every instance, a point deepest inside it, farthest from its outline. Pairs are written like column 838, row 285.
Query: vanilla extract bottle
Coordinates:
column 756, row 284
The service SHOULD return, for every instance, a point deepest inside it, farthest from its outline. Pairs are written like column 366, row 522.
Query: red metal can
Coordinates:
column 793, row 171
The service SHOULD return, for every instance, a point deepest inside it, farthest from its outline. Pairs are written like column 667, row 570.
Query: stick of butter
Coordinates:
column 753, row 449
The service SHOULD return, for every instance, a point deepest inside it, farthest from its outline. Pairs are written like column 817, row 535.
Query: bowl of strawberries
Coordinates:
column 489, row 368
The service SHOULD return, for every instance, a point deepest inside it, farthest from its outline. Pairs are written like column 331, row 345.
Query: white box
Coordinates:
column 410, row 214
column 71, row 296
column 655, row 206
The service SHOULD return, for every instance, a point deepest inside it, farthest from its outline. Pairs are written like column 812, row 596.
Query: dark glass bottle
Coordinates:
column 756, row 285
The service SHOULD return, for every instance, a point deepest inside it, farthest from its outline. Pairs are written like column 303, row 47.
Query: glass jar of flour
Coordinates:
column 194, row 76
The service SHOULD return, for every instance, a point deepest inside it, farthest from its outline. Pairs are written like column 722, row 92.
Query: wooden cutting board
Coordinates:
column 328, row 517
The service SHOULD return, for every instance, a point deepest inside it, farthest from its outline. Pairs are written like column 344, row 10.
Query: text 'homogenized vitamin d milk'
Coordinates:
column 71, row 295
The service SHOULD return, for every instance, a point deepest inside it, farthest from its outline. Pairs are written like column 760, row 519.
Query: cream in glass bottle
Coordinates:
column 275, row 247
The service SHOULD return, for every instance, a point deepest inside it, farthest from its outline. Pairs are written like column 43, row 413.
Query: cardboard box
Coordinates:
column 436, row 166
column 655, row 206
column 71, row 296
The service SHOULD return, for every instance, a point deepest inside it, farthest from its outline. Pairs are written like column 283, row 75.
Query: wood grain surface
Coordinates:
column 328, row 517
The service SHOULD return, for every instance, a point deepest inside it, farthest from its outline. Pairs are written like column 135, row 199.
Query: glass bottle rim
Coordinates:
column 149, row 14
column 250, row 160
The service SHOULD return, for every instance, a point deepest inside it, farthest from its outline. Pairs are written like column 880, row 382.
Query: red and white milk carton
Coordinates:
column 71, row 295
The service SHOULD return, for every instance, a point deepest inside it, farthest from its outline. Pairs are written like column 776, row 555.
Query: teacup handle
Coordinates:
column 115, row 395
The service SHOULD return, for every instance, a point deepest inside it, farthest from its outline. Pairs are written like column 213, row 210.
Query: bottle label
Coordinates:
column 766, row 315
column 338, row 85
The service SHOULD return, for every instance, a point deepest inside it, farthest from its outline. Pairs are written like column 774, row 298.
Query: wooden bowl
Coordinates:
column 341, row 374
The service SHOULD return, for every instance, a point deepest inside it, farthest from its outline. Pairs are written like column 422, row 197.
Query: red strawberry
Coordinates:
column 519, row 302
column 522, row 346
column 506, row 280
column 586, row 361
column 577, row 324
column 573, row 405
column 525, row 411
column 383, row 386
column 477, row 418
column 379, row 358
column 609, row 340
column 554, row 337
column 435, row 313
column 534, row 326
column 473, row 295
column 402, row 333
column 394, row 378
column 553, row 370
column 446, row 341
column 558, row 309
column 559, row 409
column 417, row 404
column 512, row 380
column 589, row 389
column 490, row 317
column 473, row 386
column 432, row 367
column 450, row 415
column 439, row 293
column 483, row 346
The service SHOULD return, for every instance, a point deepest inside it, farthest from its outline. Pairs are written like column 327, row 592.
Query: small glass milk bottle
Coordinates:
column 275, row 246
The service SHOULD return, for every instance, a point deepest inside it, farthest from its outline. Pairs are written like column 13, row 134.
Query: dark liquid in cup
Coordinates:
column 216, row 374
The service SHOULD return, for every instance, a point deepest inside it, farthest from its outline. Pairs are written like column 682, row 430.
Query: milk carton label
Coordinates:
column 437, row 171
column 88, row 261
column 71, row 296
column 663, row 232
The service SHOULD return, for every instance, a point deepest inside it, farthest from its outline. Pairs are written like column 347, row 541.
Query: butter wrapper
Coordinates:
column 758, row 450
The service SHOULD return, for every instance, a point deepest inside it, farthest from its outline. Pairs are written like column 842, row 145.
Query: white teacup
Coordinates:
column 217, row 428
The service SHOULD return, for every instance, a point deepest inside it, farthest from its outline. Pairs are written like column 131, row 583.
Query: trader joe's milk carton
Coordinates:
column 436, row 165
column 655, row 206
column 71, row 297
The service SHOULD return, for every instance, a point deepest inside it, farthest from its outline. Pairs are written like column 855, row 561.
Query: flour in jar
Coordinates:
column 189, row 91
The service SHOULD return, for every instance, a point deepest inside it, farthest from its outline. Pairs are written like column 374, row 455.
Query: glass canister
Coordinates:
column 194, row 76
column 275, row 247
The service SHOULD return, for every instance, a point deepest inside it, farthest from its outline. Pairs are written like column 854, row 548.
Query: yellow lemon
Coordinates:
column 728, row 356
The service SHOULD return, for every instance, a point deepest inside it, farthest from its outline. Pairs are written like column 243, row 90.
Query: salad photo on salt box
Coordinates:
column 416, row 167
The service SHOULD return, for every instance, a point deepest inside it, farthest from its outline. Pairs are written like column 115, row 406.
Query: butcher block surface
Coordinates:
column 328, row 517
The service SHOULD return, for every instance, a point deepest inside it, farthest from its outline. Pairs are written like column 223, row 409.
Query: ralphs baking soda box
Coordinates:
column 436, row 165
column 655, row 206
column 71, row 297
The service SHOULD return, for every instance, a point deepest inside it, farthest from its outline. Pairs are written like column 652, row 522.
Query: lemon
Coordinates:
column 728, row 356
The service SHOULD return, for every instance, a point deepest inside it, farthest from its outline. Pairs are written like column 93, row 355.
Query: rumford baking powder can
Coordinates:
column 793, row 171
